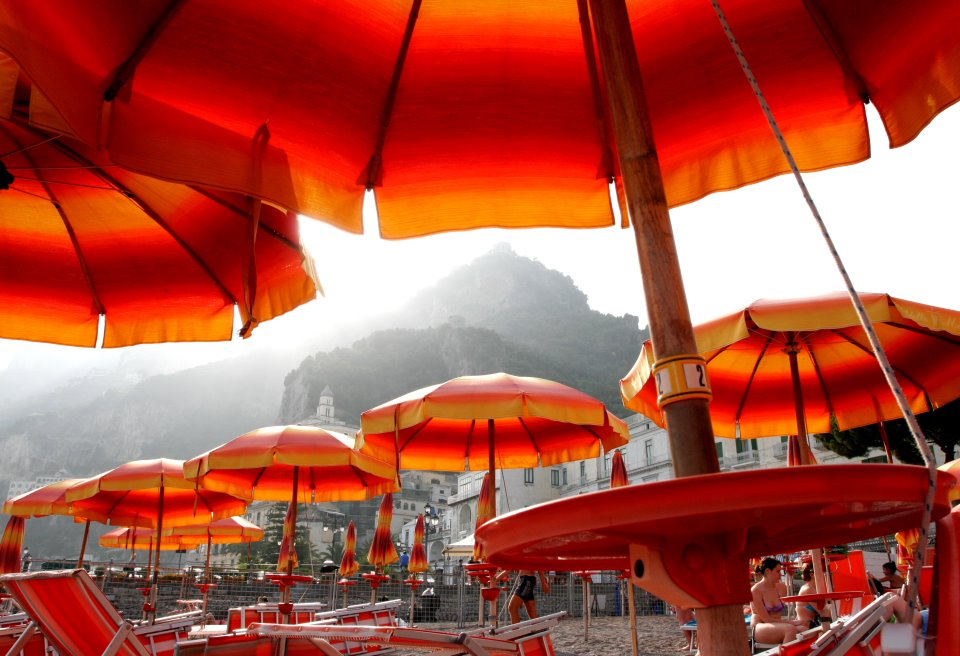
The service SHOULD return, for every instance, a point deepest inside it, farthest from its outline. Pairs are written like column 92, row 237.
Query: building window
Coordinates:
column 648, row 450
column 583, row 472
column 528, row 476
column 719, row 451
column 555, row 477
column 564, row 475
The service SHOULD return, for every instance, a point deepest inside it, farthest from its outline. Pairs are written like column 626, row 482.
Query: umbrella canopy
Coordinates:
column 486, row 510
column 618, row 471
column 261, row 465
column 418, row 555
column 348, row 563
column 158, row 261
column 11, row 545
column 230, row 530
column 150, row 494
column 952, row 467
column 132, row 537
column 453, row 426
column 749, row 354
column 51, row 499
column 177, row 92
column 382, row 550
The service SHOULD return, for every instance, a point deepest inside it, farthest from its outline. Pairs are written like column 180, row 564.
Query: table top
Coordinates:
column 751, row 509
column 824, row 596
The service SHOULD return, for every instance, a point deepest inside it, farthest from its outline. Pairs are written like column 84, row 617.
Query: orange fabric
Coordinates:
column 230, row 530
column 382, row 550
column 952, row 468
column 165, row 262
column 495, row 122
column 259, row 465
column 129, row 495
column 289, row 560
column 348, row 564
column 485, row 512
column 750, row 372
column 418, row 555
column 138, row 538
column 11, row 545
column 47, row 500
column 444, row 427
column 618, row 471
column 909, row 540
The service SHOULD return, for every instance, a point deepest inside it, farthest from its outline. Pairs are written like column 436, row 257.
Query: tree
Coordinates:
column 333, row 553
column 939, row 427
column 267, row 550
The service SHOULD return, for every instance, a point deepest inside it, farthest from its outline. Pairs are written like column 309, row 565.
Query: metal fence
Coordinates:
column 452, row 600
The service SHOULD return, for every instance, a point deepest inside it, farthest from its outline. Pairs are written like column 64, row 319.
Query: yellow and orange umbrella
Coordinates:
column 154, row 260
column 132, row 537
column 151, row 494
column 348, row 563
column 486, row 510
column 490, row 421
column 418, row 555
column 618, row 471
column 297, row 464
column 382, row 550
column 11, row 545
column 51, row 500
column 788, row 366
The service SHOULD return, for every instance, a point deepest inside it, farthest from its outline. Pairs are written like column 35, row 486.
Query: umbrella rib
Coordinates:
column 413, row 435
column 129, row 67
column 753, row 376
column 373, row 174
column 589, row 51
column 84, row 266
column 154, row 216
column 245, row 215
column 938, row 335
column 530, row 436
column 469, row 442
column 818, row 372
column 843, row 60
column 897, row 370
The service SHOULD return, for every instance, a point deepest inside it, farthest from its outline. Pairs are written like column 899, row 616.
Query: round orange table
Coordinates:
column 699, row 531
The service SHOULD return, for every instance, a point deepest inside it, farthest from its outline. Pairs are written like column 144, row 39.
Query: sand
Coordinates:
column 610, row 636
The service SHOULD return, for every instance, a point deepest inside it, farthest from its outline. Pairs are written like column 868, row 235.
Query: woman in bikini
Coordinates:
column 524, row 594
column 768, row 609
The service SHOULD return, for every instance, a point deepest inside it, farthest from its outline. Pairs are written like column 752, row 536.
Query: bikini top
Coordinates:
column 776, row 608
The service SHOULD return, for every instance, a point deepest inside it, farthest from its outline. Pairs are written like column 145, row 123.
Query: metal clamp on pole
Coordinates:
column 681, row 377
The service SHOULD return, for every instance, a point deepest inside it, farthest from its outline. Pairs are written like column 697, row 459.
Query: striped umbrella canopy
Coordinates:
column 133, row 537
column 486, row 510
column 229, row 530
column 382, row 550
column 296, row 464
column 11, row 545
column 348, row 563
column 618, row 471
column 418, row 555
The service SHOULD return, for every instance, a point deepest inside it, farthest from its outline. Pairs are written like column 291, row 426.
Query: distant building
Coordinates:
column 16, row 488
column 326, row 415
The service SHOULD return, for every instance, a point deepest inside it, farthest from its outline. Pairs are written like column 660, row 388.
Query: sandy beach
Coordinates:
column 658, row 635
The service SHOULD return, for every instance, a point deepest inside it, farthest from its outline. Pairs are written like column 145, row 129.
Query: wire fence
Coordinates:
column 451, row 598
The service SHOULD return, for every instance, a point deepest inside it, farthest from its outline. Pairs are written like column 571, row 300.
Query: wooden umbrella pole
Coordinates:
column 633, row 617
column 155, row 584
column 688, row 418
column 492, row 467
column 287, row 592
column 792, row 350
column 83, row 543
column 206, row 588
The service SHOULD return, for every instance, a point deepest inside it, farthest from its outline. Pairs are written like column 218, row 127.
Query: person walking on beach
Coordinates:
column 26, row 560
column 525, row 592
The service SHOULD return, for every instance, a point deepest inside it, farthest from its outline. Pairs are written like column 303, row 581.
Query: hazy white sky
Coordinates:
column 895, row 220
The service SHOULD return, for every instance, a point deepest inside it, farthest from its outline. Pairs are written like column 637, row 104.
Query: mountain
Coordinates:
column 501, row 312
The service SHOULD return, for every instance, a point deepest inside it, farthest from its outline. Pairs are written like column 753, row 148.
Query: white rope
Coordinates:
column 878, row 350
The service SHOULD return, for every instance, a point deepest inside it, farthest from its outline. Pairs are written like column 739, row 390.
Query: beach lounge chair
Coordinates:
column 78, row 620
column 532, row 636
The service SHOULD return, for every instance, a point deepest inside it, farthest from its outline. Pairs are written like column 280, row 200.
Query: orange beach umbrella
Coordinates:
column 151, row 494
column 780, row 367
column 348, row 563
column 418, row 555
column 132, row 537
column 486, row 510
column 11, row 545
column 156, row 261
column 297, row 464
column 618, row 471
column 382, row 550
column 490, row 421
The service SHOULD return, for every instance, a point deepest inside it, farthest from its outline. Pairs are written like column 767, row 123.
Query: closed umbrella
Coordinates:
column 11, row 546
column 348, row 563
column 418, row 560
column 619, row 478
column 382, row 551
column 486, row 510
column 618, row 471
